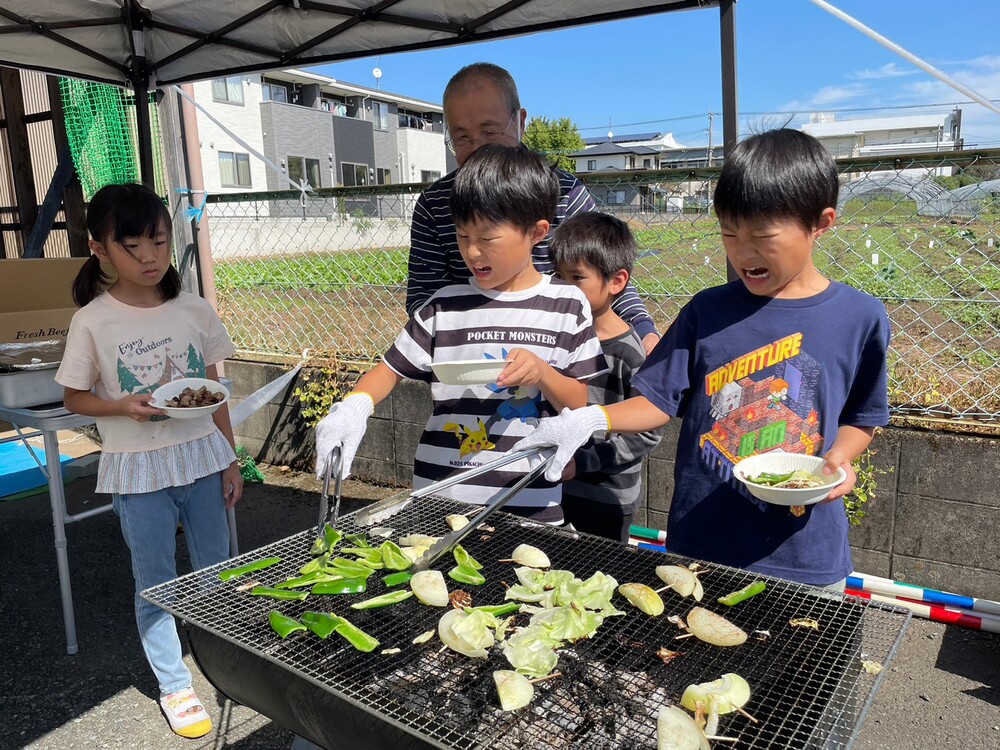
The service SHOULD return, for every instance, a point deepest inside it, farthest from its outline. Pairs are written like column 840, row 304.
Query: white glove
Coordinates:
column 567, row 432
column 345, row 425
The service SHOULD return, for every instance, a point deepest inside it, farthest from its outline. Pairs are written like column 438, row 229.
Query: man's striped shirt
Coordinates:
column 436, row 262
column 475, row 424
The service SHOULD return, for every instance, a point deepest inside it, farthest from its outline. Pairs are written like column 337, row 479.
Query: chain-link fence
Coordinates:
column 328, row 271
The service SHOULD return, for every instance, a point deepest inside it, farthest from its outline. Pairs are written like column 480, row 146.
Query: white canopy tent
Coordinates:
column 154, row 43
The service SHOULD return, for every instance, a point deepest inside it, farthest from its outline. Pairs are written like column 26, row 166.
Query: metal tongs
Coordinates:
column 329, row 507
column 445, row 544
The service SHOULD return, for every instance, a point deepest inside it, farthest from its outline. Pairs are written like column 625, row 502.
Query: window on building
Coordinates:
column 274, row 92
column 228, row 90
column 591, row 165
column 380, row 115
column 354, row 175
column 647, row 163
column 301, row 167
column 616, row 197
column 234, row 169
column 383, row 176
column 427, row 175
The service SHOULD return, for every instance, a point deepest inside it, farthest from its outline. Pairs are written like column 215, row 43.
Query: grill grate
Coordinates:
column 809, row 688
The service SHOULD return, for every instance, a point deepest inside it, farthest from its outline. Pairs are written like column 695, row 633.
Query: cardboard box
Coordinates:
column 36, row 298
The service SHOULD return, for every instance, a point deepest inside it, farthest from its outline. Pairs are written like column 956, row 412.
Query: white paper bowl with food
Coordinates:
column 167, row 397
column 778, row 464
column 469, row 371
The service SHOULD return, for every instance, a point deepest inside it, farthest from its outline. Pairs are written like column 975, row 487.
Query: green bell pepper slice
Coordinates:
column 393, row 597
column 278, row 593
column 283, row 625
column 310, row 579
column 316, row 564
column 463, row 558
column 393, row 557
column 465, row 574
column 343, row 586
column 355, row 635
column 267, row 562
column 357, row 540
column 320, row 623
column 394, row 579
column 743, row 594
column 349, row 568
column 497, row 610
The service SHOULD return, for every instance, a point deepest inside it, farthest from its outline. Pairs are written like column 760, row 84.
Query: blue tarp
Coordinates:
column 18, row 471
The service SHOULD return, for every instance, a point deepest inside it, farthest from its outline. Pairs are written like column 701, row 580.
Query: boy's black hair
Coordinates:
column 602, row 241
column 505, row 185
column 779, row 174
column 115, row 213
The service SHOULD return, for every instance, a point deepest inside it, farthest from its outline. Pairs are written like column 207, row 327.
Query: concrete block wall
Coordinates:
column 935, row 521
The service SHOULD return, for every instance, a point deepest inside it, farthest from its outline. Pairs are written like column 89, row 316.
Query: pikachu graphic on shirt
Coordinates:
column 474, row 440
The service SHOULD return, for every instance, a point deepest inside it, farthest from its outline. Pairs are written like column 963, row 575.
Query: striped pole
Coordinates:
column 652, row 535
column 935, row 612
column 878, row 585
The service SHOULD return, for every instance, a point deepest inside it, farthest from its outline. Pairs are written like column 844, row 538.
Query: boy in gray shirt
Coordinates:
column 601, row 492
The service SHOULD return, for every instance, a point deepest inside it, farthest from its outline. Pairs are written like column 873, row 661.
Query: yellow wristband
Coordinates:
column 362, row 393
column 606, row 415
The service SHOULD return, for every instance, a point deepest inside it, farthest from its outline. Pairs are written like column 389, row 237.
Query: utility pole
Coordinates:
column 711, row 119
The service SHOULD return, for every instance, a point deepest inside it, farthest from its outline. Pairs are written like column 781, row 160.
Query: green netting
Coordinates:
column 100, row 127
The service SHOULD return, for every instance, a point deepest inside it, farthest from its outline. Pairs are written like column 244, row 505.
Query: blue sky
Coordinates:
column 661, row 73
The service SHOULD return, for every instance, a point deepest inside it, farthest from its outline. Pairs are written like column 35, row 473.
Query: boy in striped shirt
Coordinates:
column 596, row 253
column 503, row 201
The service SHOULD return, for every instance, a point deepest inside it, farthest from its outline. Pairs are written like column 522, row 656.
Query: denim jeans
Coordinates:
column 149, row 525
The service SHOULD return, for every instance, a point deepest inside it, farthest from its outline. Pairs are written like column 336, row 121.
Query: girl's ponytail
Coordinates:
column 90, row 281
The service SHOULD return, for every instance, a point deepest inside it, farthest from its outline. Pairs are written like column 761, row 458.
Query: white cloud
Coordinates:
column 889, row 70
column 827, row 97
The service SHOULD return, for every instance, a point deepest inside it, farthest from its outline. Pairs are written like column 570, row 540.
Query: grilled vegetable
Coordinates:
column 709, row 700
column 456, row 521
column 675, row 730
column 350, row 568
column 423, row 637
column 468, row 634
column 430, row 588
column 355, row 635
column 531, row 557
column 325, row 543
column 393, row 597
column 393, row 557
column 278, row 593
column 320, row 623
column 642, row 596
column 715, row 629
column 497, row 610
column 514, row 689
column 464, row 558
column 394, row 579
column 267, row 562
column 467, row 574
column 343, row 586
column 283, row 625
column 679, row 579
column 743, row 594
column 311, row 579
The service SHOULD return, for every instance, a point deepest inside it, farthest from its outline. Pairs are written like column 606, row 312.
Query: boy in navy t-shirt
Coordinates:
column 782, row 359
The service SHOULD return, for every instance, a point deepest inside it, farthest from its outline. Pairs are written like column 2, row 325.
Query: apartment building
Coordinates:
column 314, row 128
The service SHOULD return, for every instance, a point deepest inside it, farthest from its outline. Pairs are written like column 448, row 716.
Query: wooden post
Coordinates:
column 20, row 151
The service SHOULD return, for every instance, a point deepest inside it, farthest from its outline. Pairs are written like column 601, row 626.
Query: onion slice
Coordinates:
column 430, row 588
column 515, row 690
column 642, row 596
column 675, row 730
column 680, row 579
column 530, row 557
column 714, row 629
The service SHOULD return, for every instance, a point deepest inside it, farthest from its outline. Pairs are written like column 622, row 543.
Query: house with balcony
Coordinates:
column 317, row 129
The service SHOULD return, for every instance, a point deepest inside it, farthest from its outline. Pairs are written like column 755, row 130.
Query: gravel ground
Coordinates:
column 942, row 690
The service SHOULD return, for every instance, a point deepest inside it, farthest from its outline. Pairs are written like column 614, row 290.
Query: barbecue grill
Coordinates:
column 810, row 689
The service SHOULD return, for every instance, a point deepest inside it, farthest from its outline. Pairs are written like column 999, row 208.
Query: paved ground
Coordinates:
column 943, row 690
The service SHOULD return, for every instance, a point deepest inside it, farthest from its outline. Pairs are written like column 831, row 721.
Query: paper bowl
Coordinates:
column 166, row 392
column 469, row 371
column 781, row 463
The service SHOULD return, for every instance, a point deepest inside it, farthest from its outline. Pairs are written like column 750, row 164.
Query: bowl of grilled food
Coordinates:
column 787, row 478
column 190, row 398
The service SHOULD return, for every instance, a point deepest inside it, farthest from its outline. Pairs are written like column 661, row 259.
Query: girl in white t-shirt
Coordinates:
column 135, row 331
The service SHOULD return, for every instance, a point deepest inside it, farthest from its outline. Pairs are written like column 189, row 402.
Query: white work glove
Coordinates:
column 567, row 432
column 345, row 425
